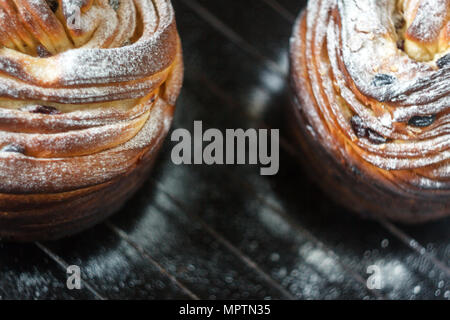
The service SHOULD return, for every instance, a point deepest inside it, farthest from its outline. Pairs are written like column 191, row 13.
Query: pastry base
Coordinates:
column 350, row 188
column 69, row 213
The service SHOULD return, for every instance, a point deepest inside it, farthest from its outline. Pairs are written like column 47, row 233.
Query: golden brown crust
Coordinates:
column 375, row 113
column 80, row 122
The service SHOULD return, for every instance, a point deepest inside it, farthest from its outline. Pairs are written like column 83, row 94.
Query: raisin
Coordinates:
column 115, row 4
column 422, row 121
column 356, row 171
column 400, row 23
column 43, row 52
column 383, row 80
column 53, row 4
column 442, row 62
column 375, row 137
column 362, row 131
column 358, row 126
column 13, row 148
column 41, row 109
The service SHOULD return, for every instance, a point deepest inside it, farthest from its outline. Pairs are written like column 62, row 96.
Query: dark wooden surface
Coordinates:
column 225, row 232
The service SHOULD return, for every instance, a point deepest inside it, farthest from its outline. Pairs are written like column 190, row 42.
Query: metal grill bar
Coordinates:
column 415, row 245
column 228, row 245
column 248, row 48
column 64, row 265
column 280, row 9
column 233, row 36
column 239, row 254
column 145, row 254
column 285, row 144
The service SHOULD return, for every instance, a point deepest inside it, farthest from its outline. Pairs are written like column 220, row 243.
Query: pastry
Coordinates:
column 371, row 104
column 87, row 94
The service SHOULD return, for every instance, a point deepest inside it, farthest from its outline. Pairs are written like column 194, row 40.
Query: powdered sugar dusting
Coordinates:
column 366, row 73
column 112, row 109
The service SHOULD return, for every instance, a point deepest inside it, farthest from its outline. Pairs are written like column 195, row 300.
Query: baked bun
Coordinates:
column 371, row 83
column 87, row 90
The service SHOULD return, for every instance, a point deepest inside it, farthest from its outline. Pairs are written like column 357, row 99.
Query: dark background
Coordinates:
column 225, row 232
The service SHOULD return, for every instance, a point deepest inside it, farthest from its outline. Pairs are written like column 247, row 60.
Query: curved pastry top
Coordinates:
column 91, row 72
column 374, row 76
column 86, row 88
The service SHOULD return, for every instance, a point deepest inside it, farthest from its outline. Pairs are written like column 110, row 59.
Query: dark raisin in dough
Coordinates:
column 383, row 80
column 41, row 109
column 13, row 148
column 422, row 121
column 444, row 61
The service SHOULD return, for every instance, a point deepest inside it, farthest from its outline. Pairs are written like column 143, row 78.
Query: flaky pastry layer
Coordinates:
column 372, row 82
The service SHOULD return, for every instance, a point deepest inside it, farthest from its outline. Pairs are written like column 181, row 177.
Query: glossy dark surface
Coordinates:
column 225, row 231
